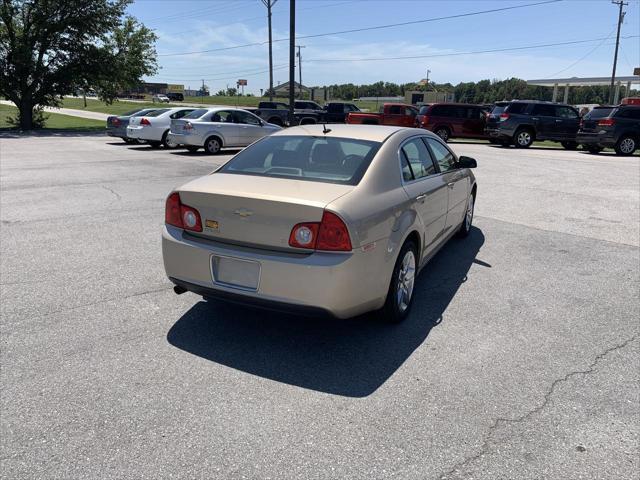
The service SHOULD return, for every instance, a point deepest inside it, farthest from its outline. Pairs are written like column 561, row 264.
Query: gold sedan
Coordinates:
column 336, row 218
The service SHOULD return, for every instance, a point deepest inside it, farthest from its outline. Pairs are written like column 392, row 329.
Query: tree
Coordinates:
column 53, row 48
column 203, row 91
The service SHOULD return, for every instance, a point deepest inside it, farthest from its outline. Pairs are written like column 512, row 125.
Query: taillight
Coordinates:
column 115, row 121
column 330, row 234
column 181, row 216
column 187, row 126
column 425, row 120
column 144, row 121
column 606, row 122
column 504, row 116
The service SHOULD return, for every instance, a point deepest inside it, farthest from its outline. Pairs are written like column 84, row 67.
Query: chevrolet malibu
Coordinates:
column 153, row 127
column 312, row 219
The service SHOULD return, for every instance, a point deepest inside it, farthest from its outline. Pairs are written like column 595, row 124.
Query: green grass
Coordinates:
column 54, row 121
column 116, row 108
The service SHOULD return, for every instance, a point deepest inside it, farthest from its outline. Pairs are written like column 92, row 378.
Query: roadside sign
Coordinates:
column 242, row 82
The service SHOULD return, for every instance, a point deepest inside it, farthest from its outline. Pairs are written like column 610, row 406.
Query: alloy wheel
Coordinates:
column 213, row 145
column 406, row 278
column 443, row 134
column 524, row 138
column 627, row 145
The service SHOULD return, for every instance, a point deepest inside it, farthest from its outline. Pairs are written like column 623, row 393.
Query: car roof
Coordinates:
column 373, row 133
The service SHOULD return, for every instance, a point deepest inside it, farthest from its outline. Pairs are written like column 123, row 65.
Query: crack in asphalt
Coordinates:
column 117, row 195
column 547, row 398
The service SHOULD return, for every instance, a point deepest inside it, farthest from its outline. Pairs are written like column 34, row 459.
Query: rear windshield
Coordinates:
column 142, row 112
column 196, row 113
column 499, row 108
column 517, row 107
column 129, row 114
column 317, row 159
column 598, row 113
column 156, row 113
column 423, row 110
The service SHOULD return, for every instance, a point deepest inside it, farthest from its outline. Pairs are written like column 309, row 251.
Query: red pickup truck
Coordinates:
column 390, row 114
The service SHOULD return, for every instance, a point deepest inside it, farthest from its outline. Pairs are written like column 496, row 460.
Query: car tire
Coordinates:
column 193, row 149
column 276, row 121
column 155, row 144
column 212, row 145
column 569, row 145
column 400, row 295
column 523, row 138
column 494, row 141
column 443, row 133
column 467, row 222
column 167, row 143
column 626, row 145
column 505, row 143
column 593, row 148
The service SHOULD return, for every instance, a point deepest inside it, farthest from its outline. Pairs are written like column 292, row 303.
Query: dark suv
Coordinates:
column 520, row 122
column 617, row 127
column 448, row 120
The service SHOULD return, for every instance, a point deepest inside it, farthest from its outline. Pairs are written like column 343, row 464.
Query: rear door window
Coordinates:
column 180, row 114
column 222, row 116
column 395, row 110
column 566, row 112
column 544, row 110
column 197, row 113
column 246, row 118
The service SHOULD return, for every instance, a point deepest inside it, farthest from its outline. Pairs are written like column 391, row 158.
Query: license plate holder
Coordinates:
column 235, row 272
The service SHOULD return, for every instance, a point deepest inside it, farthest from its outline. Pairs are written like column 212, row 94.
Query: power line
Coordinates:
column 363, row 29
column 586, row 54
column 455, row 54
column 199, row 12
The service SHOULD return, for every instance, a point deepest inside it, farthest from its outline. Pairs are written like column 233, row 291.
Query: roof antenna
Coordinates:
column 325, row 130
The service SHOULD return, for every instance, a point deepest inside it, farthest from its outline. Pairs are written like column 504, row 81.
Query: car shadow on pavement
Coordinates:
column 351, row 358
column 202, row 153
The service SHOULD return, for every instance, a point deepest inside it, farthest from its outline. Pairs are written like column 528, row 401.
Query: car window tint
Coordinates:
column 517, row 107
column 410, row 111
column 180, row 114
column 598, row 113
column 544, row 110
column 246, row 118
column 566, row 112
column 142, row 112
column 418, row 158
column 633, row 113
column 395, row 110
column 407, row 174
column 197, row 113
column 443, row 156
column 318, row 159
column 131, row 113
column 157, row 113
column 423, row 110
column 222, row 116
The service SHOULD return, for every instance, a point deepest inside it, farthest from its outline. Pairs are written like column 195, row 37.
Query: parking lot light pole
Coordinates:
column 292, row 57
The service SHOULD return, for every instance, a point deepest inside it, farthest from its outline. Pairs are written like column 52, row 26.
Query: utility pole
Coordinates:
column 620, row 3
column 292, row 58
column 269, row 4
column 300, row 67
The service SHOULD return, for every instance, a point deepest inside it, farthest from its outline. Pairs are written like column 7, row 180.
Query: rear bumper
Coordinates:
column 143, row 133
column 182, row 139
column 342, row 284
column 120, row 132
column 602, row 139
column 498, row 133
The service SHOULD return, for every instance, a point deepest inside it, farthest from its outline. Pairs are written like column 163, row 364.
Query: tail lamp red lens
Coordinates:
column 180, row 215
column 425, row 120
column 330, row 234
column 187, row 126
column 115, row 121
column 606, row 122
column 504, row 116
column 144, row 121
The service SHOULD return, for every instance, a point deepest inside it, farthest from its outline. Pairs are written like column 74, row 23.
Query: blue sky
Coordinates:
column 196, row 25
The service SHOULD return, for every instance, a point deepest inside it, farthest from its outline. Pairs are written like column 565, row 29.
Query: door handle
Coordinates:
column 421, row 198
column 535, row 118
column 451, row 184
column 558, row 121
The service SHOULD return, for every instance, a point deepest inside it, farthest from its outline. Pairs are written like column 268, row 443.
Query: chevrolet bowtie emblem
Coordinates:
column 243, row 212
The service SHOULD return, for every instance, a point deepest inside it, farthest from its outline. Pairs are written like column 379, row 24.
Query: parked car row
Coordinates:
column 305, row 112
column 190, row 127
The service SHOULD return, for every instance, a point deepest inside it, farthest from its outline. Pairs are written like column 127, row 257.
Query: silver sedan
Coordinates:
column 215, row 128
column 312, row 218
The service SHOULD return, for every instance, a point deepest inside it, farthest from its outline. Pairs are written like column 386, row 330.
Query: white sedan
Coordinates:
column 216, row 128
column 154, row 126
column 160, row 98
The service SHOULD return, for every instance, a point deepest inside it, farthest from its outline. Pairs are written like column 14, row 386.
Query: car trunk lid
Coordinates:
column 257, row 211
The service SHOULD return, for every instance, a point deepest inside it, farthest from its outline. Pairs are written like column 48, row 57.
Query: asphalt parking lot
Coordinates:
column 520, row 359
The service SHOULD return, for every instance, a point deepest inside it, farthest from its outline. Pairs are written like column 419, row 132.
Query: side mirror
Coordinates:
column 467, row 162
